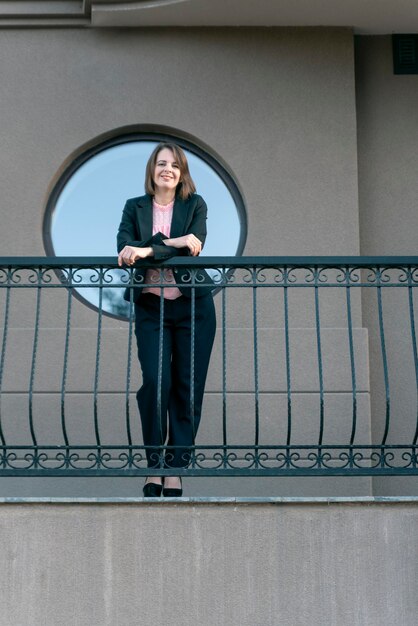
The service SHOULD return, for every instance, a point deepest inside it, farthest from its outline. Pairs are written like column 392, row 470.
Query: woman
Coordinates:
column 170, row 220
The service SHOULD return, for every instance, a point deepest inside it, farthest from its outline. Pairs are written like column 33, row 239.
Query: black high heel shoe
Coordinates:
column 172, row 492
column 152, row 490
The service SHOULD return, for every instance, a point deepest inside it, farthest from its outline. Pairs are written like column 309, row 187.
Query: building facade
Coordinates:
column 304, row 110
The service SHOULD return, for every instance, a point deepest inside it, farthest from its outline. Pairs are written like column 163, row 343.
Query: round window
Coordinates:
column 85, row 206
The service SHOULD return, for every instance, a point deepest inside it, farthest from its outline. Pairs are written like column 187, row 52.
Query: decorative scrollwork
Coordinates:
column 249, row 275
column 131, row 460
column 219, row 276
column 301, row 275
column 108, row 276
column 270, row 459
column 46, row 275
column 315, row 458
column 4, row 276
column 7, row 458
column 260, row 275
column 107, row 461
column 342, row 275
column 354, row 275
column 279, row 276
column 200, row 460
column 269, row 275
column 136, row 279
column 124, row 276
column 373, row 276
column 381, row 458
column 67, row 460
column 411, row 458
column 95, row 276
column 325, row 459
column 262, row 460
column 34, row 275
column 332, row 275
column 352, row 459
column 35, row 459
column 322, row 275
column 15, row 276
column 405, row 275
column 230, row 277
column 393, row 275
column 78, row 276
column 287, row 459
column 224, row 459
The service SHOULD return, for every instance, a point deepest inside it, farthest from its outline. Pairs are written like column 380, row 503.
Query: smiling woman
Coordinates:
column 174, row 326
column 90, row 192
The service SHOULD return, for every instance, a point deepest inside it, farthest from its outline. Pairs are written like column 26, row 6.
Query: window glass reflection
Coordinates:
column 87, row 213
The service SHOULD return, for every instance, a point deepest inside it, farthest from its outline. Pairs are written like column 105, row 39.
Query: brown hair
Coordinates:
column 186, row 186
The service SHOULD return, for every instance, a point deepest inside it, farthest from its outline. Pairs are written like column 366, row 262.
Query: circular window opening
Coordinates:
column 85, row 207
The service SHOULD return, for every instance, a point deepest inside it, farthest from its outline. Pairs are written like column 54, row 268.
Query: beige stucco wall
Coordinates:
column 232, row 563
column 278, row 105
column 388, row 197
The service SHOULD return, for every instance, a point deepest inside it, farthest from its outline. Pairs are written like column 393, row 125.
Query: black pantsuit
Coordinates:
column 181, row 395
column 178, row 397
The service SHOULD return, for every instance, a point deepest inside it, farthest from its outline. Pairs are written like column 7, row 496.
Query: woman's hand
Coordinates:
column 129, row 255
column 187, row 241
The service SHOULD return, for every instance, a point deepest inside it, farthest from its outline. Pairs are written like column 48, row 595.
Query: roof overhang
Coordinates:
column 373, row 17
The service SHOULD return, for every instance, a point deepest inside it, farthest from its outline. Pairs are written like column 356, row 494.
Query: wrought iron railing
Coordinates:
column 314, row 370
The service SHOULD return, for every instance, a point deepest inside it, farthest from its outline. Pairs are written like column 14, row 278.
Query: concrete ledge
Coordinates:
column 217, row 500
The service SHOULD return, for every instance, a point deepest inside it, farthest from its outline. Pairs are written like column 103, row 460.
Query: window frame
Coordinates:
column 128, row 134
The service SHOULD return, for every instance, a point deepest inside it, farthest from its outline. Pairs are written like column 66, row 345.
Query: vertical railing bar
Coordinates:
column 224, row 372
column 287, row 351
column 160, row 362
column 414, row 343
column 34, row 354
column 319, row 353
column 192, row 356
column 128, row 367
column 255, row 336
column 385, row 365
column 3, row 357
column 352, row 358
column 65, row 363
column 97, row 365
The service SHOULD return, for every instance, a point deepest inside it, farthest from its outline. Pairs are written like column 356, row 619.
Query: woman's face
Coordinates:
column 167, row 171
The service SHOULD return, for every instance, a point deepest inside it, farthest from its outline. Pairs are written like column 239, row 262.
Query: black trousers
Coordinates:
column 168, row 388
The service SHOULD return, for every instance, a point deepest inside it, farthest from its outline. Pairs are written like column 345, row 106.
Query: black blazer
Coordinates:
column 135, row 229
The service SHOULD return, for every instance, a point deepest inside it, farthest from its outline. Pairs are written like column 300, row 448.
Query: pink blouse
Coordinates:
column 161, row 223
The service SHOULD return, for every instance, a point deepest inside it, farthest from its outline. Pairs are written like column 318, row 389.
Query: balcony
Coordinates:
column 314, row 370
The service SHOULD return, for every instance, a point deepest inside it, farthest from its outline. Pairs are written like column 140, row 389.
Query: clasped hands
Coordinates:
column 130, row 254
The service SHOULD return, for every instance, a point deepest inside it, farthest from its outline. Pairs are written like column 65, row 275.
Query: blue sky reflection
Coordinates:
column 89, row 208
